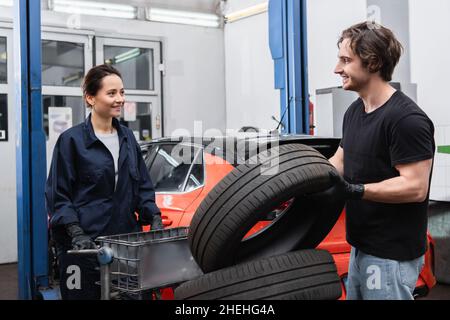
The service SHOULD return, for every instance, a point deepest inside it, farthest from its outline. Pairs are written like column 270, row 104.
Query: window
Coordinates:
column 62, row 63
column 65, row 59
column 148, row 155
column 74, row 103
column 141, row 122
column 3, row 117
column 171, row 168
column 196, row 176
column 131, row 62
column 139, row 63
column 3, row 61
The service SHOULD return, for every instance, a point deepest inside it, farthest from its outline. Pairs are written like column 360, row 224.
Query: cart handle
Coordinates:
column 105, row 255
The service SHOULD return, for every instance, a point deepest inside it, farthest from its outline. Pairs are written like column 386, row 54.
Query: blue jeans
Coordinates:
column 372, row 278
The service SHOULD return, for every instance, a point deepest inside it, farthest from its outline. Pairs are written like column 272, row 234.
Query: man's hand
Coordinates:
column 157, row 222
column 349, row 191
column 80, row 241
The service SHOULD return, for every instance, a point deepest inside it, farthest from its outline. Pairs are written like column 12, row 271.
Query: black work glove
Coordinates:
column 349, row 191
column 157, row 222
column 80, row 240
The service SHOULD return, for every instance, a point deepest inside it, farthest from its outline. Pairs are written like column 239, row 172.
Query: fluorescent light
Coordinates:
column 92, row 12
column 248, row 12
column 72, row 77
column 95, row 5
column 183, row 14
column 124, row 56
column 183, row 17
column 6, row 3
column 94, row 8
column 185, row 21
column 133, row 53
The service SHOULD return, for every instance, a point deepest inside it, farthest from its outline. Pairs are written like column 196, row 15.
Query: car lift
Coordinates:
column 30, row 152
column 288, row 46
column 287, row 37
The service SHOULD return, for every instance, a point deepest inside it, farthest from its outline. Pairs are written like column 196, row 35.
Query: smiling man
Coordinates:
column 385, row 162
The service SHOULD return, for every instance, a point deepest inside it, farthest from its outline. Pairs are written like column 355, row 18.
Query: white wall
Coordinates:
column 194, row 85
column 326, row 20
column 430, row 67
column 8, row 203
column 395, row 16
column 235, row 5
column 251, row 99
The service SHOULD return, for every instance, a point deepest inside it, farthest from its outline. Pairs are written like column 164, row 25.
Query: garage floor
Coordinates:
column 8, row 282
column 8, row 285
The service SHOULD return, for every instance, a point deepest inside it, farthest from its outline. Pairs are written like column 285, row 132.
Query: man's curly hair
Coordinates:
column 376, row 46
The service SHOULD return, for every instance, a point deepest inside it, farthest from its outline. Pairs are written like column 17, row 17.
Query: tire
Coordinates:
column 299, row 275
column 245, row 196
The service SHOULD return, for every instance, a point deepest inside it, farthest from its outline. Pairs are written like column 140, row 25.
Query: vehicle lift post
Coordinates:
column 288, row 46
column 30, row 151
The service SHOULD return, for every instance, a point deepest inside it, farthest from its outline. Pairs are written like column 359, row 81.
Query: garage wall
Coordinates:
column 251, row 99
column 326, row 20
column 194, row 85
column 430, row 67
column 395, row 15
column 250, row 96
column 8, row 203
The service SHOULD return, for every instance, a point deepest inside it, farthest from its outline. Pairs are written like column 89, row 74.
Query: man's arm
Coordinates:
column 338, row 161
column 411, row 186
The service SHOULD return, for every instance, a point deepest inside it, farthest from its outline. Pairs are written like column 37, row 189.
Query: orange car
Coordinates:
column 184, row 171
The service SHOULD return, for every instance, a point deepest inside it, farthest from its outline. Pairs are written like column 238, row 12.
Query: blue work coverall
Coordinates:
column 80, row 185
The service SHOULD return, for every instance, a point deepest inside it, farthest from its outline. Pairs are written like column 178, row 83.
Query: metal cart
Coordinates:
column 145, row 261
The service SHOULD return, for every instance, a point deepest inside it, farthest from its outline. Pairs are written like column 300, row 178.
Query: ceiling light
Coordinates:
column 183, row 17
column 72, row 77
column 124, row 56
column 248, row 12
column 94, row 8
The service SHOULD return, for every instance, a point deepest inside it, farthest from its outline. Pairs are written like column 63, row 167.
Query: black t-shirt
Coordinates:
column 398, row 132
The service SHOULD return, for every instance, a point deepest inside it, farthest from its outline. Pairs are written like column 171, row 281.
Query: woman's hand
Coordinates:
column 80, row 240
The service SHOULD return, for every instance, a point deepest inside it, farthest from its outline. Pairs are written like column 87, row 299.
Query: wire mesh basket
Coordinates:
column 150, row 260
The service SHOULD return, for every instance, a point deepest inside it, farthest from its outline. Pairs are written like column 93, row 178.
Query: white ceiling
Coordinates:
column 189, row 5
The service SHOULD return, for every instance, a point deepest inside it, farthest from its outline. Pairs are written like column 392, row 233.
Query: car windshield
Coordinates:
column 175, row 167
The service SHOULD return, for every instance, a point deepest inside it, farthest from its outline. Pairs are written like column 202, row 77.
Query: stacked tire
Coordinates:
column 300, row 275
column 273, row 263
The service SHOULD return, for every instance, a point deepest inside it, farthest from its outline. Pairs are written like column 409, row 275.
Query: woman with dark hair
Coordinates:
column 98, row 184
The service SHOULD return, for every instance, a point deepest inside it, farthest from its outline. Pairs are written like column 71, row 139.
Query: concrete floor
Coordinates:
column 8, row 285
column 8, row 282
column 439, row 292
